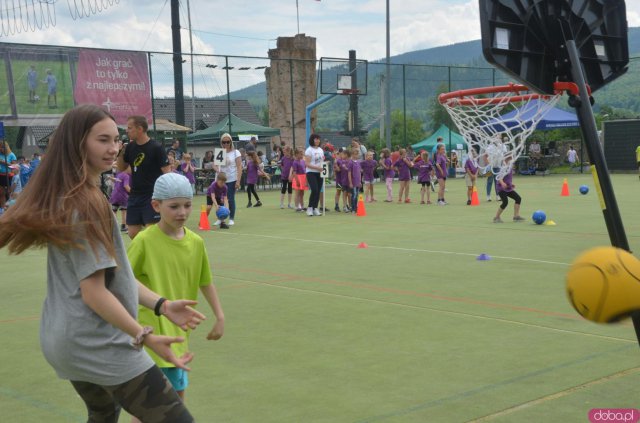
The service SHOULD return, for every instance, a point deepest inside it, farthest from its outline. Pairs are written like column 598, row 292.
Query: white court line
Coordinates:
column 417, row 250
column 436, row 310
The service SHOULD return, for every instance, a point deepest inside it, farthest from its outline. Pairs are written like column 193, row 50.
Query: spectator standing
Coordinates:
column 6, row 158
column 120, row 196
column 188, row 170
column 313, row 157
column 175, row 148
column 232, row 167
column 572, row 156
column 146, row 160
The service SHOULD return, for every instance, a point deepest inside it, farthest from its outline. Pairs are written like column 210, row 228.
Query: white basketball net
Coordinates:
column 498, row 141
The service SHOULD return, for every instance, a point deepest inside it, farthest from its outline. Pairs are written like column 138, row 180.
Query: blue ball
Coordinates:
column 584, row 189
column 539, row 217
column 222, row 213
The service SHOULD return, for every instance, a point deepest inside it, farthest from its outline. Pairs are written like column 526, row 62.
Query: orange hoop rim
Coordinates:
column 468, row 97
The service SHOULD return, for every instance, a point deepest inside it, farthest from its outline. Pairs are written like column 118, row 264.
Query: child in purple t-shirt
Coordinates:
column 355, row 178
column 120, row 196
column 285, row 168
column 337, row 171
column 506, row 190
column 368, row 168
column 217, row 196
column 440, row 163
column 389, row 173
column 254, row 170
column 471, row 174
column 425, row 170
column 188, row 170
column 298, row 176
column 346, row 189
column 403, row 165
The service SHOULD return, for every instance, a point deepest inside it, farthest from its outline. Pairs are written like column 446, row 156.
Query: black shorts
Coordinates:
column 339, row 187
column 425, row 183
column 116, row 207
column 140, row 211
column 210, row 201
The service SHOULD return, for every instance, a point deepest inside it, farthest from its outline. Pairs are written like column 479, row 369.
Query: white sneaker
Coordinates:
column 231, row 222
column 281, row 206
column 309, row 211
column 217, row 222
column 316, row 212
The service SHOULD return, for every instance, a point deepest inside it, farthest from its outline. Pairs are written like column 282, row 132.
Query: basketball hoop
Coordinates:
column 498, row 120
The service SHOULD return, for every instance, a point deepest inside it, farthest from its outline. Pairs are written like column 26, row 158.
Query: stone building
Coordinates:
column 302, row 68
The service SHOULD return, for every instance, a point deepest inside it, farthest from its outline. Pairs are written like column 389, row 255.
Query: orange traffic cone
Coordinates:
column 565, row 188
column 361, row 211
column 204, row 220
column 474, row 197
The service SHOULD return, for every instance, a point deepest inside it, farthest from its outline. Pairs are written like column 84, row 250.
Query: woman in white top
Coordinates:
column 233, row 168
column 313, row 158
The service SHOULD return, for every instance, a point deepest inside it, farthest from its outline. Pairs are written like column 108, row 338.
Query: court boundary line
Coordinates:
column 434, row 309
column 556, row 395
column 383, row 247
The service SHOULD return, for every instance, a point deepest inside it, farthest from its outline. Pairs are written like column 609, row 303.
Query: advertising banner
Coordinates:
column 117, row 80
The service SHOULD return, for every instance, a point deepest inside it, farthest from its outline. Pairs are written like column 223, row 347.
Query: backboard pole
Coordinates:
column 608, row 202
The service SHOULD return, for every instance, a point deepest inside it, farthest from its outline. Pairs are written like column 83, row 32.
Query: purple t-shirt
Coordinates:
column 219, row 192
column 441, row 159
column 468, row 165
column 404, row 171
column 356, row 173
column 344, row 172
column 252, row 172
column 299, row 167
column 368, row 166
column 508, row 179
column 189, row 175
column 285, row 167
column 424, row 170
column 389, row 173
column 337, row 169
column 119, row 195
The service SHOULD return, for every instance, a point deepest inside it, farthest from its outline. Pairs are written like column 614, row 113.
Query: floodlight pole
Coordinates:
column 601, row 178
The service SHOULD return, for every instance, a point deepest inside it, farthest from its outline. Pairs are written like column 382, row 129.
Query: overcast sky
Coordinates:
column 250, row 27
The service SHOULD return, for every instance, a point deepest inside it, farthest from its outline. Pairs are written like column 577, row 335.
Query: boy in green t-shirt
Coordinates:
column 172, row 260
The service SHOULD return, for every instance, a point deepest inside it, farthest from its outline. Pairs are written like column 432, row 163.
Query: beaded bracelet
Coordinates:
column 138, row 341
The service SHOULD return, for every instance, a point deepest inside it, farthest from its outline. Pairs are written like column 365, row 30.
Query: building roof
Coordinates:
column 207, row 111
column 42, row 134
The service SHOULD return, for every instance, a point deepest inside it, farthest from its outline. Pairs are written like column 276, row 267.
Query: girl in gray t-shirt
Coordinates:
column 89, row 332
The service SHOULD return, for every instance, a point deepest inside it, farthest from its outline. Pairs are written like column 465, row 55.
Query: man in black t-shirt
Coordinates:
column 146, row 160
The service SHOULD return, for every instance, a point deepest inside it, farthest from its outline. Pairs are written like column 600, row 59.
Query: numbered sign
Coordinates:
column 219, row 156
column 325, row 170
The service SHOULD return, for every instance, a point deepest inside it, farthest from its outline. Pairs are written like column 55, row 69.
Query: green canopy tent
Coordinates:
column 238, row 127
column 450, row 139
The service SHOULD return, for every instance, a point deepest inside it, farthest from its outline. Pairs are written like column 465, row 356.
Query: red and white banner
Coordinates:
column 116, row 80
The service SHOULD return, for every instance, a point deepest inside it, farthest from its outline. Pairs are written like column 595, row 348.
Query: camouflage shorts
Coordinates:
column 149, row 396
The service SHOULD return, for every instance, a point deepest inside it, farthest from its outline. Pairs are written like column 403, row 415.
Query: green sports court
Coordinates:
column 411, row 329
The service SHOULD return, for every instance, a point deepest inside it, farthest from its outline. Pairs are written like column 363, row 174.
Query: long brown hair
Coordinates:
column 254, row 157
column 62, row 202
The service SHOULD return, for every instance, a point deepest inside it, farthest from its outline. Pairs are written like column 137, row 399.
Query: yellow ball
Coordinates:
column 603, row 284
